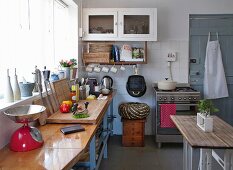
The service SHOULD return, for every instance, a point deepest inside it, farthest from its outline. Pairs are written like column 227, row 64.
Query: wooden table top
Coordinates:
column 58, row 152
column 221, row 137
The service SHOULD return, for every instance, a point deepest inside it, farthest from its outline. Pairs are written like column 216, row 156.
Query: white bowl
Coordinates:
column 105, row 91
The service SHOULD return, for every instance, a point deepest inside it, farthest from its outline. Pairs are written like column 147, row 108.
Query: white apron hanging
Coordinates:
column 215, row 85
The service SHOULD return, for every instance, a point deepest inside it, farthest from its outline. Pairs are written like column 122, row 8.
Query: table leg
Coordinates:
column 112, row 116
column 92, row 154
column 190, row 157
column 227, row 160
column 185, row 146
column 205, row 159
column 105, row 133
column 208, row 159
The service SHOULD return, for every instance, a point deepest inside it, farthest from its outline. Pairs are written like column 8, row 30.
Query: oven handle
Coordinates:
column 182, row 104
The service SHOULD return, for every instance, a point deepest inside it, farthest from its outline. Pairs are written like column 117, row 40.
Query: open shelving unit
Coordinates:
column 102, row 61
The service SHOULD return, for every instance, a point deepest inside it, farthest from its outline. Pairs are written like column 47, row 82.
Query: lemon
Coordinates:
column 69, row 102
column 91, row 97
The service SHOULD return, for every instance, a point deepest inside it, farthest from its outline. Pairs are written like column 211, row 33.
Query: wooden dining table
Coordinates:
column 207, row 142
column 61, row 151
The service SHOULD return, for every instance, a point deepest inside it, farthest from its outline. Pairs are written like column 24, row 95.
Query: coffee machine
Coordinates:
column 92, row 82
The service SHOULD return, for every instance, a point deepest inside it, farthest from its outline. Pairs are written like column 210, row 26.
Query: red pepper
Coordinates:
column 65, row 108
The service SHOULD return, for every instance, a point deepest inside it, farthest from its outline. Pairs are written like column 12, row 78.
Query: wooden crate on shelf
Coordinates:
column 133, row 132
column 103, row 57
column 100, row 47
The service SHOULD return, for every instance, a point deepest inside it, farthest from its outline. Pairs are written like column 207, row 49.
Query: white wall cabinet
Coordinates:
column 120, row 24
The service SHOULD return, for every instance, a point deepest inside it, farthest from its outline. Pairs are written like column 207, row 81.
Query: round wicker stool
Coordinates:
column 134, row 110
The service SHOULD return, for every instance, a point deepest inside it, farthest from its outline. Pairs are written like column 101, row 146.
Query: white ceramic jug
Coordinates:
column 8, row 93
column 16, row 89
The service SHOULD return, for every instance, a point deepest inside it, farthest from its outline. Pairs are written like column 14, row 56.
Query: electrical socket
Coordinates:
column 171, row 56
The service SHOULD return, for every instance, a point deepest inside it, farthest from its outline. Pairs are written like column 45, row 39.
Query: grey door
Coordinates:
column 200, row 26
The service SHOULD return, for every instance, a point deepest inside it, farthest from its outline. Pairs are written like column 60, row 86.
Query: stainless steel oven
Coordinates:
column 185, row 100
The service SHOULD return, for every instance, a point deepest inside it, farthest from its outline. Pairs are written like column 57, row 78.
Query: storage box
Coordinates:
column 96, row 57
column 133, row 132
column 205, row 123
column 99, row 47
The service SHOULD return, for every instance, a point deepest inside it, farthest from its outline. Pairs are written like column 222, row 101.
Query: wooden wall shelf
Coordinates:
column 101, row 61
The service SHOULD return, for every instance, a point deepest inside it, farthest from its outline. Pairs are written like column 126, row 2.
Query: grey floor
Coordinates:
column 169, row 157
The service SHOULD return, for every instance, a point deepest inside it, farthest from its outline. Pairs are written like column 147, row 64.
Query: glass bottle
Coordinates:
column 77, row 93
column 73, row 93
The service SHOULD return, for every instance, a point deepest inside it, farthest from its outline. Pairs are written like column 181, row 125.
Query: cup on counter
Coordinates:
column 61, row 74
column 105, row 69
column 113, row 69
column 87, row 90
column 82, row 92
column 97, row 88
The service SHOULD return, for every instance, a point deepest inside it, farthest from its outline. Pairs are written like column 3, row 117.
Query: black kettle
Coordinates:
column 107, row 82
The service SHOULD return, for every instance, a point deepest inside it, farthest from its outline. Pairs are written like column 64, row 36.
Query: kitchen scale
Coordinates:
column 27, row 137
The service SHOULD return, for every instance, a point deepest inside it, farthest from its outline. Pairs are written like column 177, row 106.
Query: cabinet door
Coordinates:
column 99, row 24
column 138, row 24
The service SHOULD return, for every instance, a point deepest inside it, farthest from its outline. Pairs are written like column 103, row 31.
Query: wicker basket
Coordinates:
column 134, row 110
column 96, row 57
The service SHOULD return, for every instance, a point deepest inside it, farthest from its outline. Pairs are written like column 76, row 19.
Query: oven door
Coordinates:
column 181, row 109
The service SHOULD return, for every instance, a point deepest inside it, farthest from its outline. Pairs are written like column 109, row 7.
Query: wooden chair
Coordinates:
column 46, row 113
column 61, row 90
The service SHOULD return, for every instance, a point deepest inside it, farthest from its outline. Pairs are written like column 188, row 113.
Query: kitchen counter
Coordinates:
column 59, row 151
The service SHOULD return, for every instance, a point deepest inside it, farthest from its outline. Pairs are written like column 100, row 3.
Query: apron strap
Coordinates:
column 217, row 35
column 209, row 37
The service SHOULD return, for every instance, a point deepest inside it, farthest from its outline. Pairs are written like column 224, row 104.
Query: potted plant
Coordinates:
column 204, row 121
column 68, row 66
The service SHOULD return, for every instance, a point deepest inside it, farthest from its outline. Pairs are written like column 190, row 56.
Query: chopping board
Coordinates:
column 96, row 110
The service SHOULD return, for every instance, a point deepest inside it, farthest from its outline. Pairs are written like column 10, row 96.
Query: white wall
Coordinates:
column 173, row 35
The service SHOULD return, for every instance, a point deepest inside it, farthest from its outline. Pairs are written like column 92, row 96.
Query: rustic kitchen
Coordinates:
column 116, row 85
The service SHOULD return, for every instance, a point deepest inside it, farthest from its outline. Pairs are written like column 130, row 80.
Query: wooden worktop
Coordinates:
column 96, row 110
column 58, row 152
column 221, row 137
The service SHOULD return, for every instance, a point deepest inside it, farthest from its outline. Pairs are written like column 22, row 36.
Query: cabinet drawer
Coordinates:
column 136, row 129
column 133, row 140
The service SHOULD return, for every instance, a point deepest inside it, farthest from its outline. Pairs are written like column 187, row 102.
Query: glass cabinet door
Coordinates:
column 99, row 24
column 138, row 24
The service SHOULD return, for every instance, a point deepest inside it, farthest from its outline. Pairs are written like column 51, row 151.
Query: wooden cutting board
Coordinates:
column 96, row 110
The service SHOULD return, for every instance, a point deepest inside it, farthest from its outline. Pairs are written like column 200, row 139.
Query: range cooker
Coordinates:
column 185, row 100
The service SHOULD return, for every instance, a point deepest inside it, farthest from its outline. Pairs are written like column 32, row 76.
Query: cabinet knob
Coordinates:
column 115, row 23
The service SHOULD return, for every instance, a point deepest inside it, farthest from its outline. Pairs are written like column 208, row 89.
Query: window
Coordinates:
column 35, row 32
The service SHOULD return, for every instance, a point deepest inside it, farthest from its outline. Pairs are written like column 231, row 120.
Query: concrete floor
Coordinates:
column 169, row 157
column 142, row 158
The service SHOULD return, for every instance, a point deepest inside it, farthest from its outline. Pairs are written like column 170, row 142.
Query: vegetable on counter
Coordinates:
column 91, row 97
column 78, row 116
column 65, row 108
column 69, row 102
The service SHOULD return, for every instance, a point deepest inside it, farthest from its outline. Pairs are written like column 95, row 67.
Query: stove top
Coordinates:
column 178, row 89
column 180, row 94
